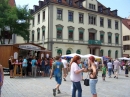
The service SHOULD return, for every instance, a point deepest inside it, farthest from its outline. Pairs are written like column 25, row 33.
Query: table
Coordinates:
column 15, row 69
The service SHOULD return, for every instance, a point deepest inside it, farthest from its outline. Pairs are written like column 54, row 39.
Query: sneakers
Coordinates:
column 64, row 79
column 54, row 92
column 58, row 92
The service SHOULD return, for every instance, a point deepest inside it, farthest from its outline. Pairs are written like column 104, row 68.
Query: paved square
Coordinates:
column 42, row 87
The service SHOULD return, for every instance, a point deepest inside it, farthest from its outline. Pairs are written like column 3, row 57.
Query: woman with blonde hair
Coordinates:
column 76, row 76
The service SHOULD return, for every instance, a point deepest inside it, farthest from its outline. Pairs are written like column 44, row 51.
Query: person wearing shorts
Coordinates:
column 57, row 67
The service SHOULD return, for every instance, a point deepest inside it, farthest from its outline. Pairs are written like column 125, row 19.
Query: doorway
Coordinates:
column 93, row 51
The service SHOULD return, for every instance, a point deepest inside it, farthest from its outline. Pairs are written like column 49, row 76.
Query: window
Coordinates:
column 80, row 18
column 116, row 25
column 92, row 6
column 102, row 38
column 101, row 52
column 59, row 52
column 32, row 36
column 126, row 38
column 117, row 39
column 43, row 32
column 109, row 53
column 126, row 47
column 70, row 2
column 101, row 22
column 78, row 52
column 70, row 17
column 70, row 34
column 68, row 52
column 39, row 18
column 81, row 35
column 33, row 22
column 59, row 1
column 116, row 54
column 100, row 9
column 80, row 4
column 59, row 33
column 59, row 14
column 92, row 20
column 109, row 38
column 38, row 34
column 43, row 15
column 109, row 23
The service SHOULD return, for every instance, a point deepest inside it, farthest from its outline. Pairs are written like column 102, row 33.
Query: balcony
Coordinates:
column 95, row 42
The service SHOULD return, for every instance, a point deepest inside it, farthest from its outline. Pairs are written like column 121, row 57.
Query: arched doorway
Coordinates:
column 68, row 52
column 59, row 52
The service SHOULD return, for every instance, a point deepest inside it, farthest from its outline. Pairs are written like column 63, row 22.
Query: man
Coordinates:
column 57, row 67
column 29, row 67
column 64, row 61
column 116, row 64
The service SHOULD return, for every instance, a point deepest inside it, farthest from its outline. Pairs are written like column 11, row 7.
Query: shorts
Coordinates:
column 58, row 79
column 103, row 75
column 92, row 83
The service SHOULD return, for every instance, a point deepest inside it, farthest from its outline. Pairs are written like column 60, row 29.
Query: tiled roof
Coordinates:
column 126, row 22
column 12, row 2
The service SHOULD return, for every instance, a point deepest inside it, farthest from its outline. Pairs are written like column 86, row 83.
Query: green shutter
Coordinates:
column 43, row 30
column 102, row 34
column 81, row 31
column 59, row 28
column 109, row 34
column 117, row 36
column 101, row 51
column 109, row 51
column 70, row 30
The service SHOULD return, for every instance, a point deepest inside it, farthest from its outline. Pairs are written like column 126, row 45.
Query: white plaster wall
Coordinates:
column 19, row 39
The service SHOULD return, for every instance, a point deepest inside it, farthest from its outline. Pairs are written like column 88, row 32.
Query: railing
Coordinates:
column 95, row 42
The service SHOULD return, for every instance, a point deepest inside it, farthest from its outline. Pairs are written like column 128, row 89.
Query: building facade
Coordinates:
column 126, row 37
column 77, row 26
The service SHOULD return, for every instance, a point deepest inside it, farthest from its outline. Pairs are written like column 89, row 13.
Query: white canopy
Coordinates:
column 124, row 58
column 88, row 55
column 72, row 55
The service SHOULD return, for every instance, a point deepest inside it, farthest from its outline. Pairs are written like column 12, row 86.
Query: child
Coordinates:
column 81, row 66
column 126, row 70
column 104, row 69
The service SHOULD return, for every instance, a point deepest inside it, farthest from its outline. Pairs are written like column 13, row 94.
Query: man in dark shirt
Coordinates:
column 29, row 67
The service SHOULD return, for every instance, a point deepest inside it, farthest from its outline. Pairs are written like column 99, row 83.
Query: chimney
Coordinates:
column 115, row 12
column 35, row 7
column 40, row 3
column 108, row 10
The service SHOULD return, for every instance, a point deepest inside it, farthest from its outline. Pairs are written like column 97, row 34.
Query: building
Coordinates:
column 126, row 37
column 77, row 26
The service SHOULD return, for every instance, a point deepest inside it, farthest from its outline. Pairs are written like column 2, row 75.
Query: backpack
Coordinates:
column 57, row 71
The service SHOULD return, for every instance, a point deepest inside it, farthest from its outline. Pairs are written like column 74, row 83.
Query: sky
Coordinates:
column 123, row 6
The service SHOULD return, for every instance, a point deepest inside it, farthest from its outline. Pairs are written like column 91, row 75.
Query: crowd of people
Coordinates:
column 46, row 67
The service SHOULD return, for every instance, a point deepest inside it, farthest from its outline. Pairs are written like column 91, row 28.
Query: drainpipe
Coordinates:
column 121, row 38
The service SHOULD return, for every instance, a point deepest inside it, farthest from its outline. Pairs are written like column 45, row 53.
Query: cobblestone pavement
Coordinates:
column 42, row 87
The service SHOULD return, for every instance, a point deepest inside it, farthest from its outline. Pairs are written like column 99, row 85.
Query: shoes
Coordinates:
column 58, row 92
column 114, row 76
column 54, row 92
column 64, row 79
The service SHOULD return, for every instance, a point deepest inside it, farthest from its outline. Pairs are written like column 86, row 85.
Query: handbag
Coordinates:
column 86, row 81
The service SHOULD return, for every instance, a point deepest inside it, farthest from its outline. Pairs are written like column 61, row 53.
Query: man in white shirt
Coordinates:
column 116, row 64
column 65, row 63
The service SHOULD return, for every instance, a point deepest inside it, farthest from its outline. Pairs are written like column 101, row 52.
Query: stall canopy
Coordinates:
column 88, row 55
column 124, row 58
column 72, row 55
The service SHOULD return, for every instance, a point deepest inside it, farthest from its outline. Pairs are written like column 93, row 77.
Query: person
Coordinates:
column 24, row 66
column 38, row 66
column 109, row 66
column 81, row 66
column 1, row 78
column 93, row 75
column 11, row 66
column 104, row 69
column 57, row 67
column 47, row 67
column 127, row 70
column 75, row 76
column 64, row 61
column 34, row 67
column 43, row 66
column 116, row 64
column 29, row 67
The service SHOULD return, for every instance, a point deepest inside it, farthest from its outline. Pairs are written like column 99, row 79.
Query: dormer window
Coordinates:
column 70, row 2
column 59, row 1
column 101, row 9
column 80, row 4
column 92, row 6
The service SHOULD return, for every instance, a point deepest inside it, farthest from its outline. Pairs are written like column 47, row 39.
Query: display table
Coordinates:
column 15, row 69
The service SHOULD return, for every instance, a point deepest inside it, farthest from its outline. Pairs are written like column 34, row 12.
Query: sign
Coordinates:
column 29, row 47
column 15, row 55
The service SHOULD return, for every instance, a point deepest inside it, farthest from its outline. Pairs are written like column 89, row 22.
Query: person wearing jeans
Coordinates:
column 76, row 76
column 24, row 66
column 34, row 67
column 109, row 66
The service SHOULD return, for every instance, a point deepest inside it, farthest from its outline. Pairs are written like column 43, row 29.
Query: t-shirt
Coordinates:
column 64, row 63
column 24, row 63
column 109, row 65
column 80, row 65
column 116, row 64
column 34, row 62
column 54, row 66
column 104, row 70
column 73, row 76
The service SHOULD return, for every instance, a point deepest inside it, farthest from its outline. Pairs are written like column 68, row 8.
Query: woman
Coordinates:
column 11, row 66
column 110, row 68
column 24, row 66
column 34, row 66
column 126, row 70
column 43, row 66
column 93, row 75
column 76, row 76
column 1, row 78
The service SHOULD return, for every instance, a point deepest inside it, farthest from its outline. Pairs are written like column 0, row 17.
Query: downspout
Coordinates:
column 121, row 38
column 48, row 23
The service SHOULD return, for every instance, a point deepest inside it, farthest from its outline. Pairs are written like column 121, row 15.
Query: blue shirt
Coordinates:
column 34, row 62
column 24, row 64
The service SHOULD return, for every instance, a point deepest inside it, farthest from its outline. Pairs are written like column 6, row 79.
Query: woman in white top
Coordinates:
column 76, row 76
column 110, row 67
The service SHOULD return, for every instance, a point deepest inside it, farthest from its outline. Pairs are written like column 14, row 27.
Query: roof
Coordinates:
column 74, row 5
column 12, row 2
column 126, row 22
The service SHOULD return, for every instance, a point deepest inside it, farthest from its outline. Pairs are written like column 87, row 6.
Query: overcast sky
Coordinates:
column 123, row 6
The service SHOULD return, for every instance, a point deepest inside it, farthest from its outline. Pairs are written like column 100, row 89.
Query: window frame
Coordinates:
column 72, row 16
column 58, row 9
column 61, row 33
column 38, row 20
column 109, row 20
column 43, row 15
column 81, row 17
column 117, row 25
column 101, row 18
